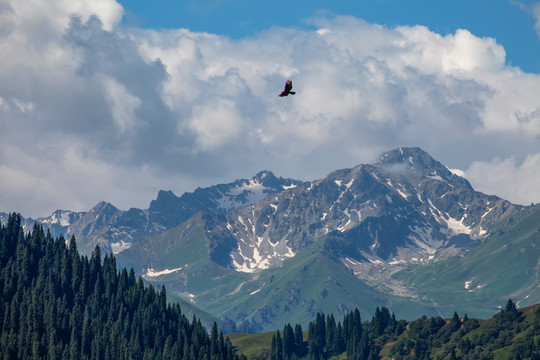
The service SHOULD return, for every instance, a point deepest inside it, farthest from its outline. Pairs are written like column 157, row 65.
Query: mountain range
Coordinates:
column 404, row 232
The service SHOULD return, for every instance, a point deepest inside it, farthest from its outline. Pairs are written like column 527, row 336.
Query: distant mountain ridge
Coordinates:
column 263, row 251
column 115, row 230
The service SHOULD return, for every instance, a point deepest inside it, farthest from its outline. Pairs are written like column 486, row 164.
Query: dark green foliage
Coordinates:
column 317, row 337
column 289, row 346
column 508, row 335
column 55, row 304
column 326, row 338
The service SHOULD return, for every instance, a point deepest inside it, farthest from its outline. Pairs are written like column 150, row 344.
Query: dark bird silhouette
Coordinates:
column 287, row 90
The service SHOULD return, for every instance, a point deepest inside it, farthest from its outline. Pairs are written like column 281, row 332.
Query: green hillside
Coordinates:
column 508, row 334
column 505, row 266
column 313, row 281
column 186, row 269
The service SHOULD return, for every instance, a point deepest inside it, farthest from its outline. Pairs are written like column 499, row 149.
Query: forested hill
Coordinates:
column 510, row 334
column 56, row 304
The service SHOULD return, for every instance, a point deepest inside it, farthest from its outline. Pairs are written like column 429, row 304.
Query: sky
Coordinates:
column 116, row 100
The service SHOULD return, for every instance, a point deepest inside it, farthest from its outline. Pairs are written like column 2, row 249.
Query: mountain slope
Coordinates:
column 505, row 266
column 181, row 258
column 315, row 280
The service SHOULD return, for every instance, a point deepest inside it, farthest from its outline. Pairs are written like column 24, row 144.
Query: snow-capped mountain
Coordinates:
column 115, row 230
column 58, row 223
column 405, row 207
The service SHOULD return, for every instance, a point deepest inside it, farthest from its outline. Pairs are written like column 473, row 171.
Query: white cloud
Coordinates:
column 123, row 105
column 536, row 14
column 508, row 178
column 215, row 124
column 94, row 111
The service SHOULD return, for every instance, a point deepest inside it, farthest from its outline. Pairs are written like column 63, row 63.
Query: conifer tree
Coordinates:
column 289, row 347
column 299, row 340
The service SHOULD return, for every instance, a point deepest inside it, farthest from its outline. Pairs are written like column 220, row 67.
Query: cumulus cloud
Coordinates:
column 494, row 177
column 91, row 110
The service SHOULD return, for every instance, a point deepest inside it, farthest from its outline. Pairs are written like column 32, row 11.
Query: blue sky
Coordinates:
column 511, row 23
column 114, row 100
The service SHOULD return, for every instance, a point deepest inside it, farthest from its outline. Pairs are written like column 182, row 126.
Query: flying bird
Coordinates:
column 287, row 90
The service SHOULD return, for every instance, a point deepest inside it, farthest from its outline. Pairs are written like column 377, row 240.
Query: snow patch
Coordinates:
column 344, row 227
column 488, row 211
column 399, row 191
column 120, row 246
column 423, row 238
column 152, row 273
column 457, row 226
column 261, row 260
column 247, row 193
column 468, row 286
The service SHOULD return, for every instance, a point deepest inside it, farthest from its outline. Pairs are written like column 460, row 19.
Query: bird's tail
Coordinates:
column 292, row 92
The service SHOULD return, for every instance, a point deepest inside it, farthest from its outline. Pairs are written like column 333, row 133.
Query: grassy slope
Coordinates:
column 505, row 266
column 254, row 346
column 199, row 278
column 313, row 281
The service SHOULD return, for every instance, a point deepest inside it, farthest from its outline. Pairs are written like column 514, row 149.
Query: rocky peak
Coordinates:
column 165, row 199
column 411, row 160
column 406, row 203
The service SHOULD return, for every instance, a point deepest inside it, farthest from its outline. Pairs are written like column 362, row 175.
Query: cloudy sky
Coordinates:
column 107, row 100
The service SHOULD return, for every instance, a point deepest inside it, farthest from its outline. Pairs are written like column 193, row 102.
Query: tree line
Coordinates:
column 56, row 304
column 327, row 338
column 509, row 334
